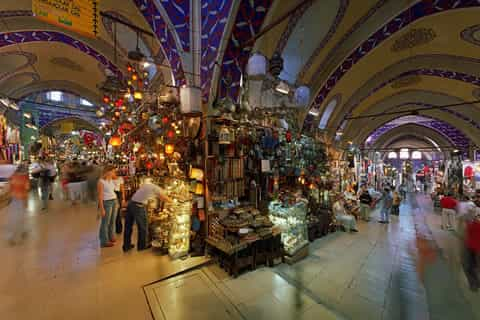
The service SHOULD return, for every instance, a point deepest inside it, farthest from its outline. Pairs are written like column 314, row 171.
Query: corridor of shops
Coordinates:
column 239, row 159
column 377, row 273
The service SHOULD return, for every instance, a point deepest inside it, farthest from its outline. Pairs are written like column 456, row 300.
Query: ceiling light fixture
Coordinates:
column 282, row 87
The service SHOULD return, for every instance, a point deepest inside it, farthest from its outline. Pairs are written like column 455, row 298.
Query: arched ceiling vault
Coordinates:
column 408, row 99
column 421, row 133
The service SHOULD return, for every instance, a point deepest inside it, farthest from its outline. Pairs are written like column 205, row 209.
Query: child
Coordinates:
column 396, row 203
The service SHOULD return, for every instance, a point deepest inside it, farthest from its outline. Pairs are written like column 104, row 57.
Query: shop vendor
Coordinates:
column 137, row 213
column 346, row 220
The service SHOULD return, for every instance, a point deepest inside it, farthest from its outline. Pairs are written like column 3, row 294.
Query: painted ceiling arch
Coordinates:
column 59, row 85
column 424, row 72
column 79, row 123
column 401, row 124
column 421, row 18
column 419, row 97
column 363, row 130
column 423, row 133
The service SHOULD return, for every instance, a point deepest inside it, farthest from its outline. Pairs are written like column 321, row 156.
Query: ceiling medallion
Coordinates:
column 413, row 38
column 471, row 34
column 406, row 81
column 66, row 63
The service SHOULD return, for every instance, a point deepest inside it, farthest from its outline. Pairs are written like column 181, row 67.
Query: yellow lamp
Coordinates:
column 138, row 95
column 199, row 189
column 169, row 148
column 196, row 174
column 115, row 141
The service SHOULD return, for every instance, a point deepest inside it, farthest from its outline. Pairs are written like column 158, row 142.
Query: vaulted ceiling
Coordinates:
column 376, row 56
column 357, row 56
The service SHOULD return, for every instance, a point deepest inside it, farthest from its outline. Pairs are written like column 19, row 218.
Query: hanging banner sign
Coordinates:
column 66, row 127
column 80, row 16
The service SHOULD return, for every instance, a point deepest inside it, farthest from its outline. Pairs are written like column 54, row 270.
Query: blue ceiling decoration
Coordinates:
column 214, row 19
column 249, row 20
column 165, row 36
column 13, row 38
column 179, row 13
column 451, row 133
column 417, row 11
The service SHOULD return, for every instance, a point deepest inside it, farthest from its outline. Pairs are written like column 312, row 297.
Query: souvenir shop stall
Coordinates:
column 264, row 188
column 10, row 143
column 471, row 177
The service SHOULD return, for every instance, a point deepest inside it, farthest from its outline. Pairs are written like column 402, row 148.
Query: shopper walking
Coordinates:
column 107, row 202
column 366, row 202
column 19, row 187
column 397, row 200
column 137, row 213
column 121, row 201
column 472, row 249
column 386, row 206
column 448, row 205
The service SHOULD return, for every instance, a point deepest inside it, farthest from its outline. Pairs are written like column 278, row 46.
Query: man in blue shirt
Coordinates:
column 387, row 205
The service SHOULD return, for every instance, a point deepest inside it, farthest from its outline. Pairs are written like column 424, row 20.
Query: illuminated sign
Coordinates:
column 79, row 16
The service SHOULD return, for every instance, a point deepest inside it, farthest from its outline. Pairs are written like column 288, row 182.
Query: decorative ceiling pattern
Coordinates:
column 414, row 38
column 215, row 15
column 30, row 59
column 472, row 34
column 418, row 10
column 12, row 38
column 248, row 22
column 165, row 36
column 472, row 79
column 179, row 13
column 448, row 131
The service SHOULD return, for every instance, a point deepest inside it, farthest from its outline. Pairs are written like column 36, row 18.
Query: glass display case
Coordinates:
column 291, row 218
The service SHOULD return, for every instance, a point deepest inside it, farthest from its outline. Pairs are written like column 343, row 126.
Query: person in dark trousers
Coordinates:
column 121, row 203
column 137, row 213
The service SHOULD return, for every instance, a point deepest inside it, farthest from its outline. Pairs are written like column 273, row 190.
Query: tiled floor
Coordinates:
column 60, row 273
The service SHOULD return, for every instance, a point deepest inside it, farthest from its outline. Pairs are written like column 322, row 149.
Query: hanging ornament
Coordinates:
column 169, row 148
column 276, row 64
column 170, row 134
column 165, row 120
column 106, row 99
column 115, row 141
column 288, row 136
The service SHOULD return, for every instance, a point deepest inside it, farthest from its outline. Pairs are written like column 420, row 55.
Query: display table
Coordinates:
column 246, row 255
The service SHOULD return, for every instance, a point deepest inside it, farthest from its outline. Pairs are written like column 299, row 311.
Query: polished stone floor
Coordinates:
column 408, row 269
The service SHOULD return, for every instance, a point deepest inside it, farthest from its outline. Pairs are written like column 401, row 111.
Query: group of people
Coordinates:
column 464, row 216
column 367, row 202
column 111, row 198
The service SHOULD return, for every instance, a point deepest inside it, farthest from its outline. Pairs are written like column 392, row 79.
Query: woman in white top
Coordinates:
column 107, row 200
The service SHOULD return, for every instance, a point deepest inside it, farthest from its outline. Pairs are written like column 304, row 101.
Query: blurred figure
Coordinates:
column 19, row 186
column 366, row 202
column 403, row 191
column 386, row 206
column 448, row 205
column 347, row 221
column 396, row 203
column 472, row 249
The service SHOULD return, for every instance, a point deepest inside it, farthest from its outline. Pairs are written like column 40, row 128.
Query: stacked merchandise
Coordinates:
column 290, row 215
column 171, row 225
